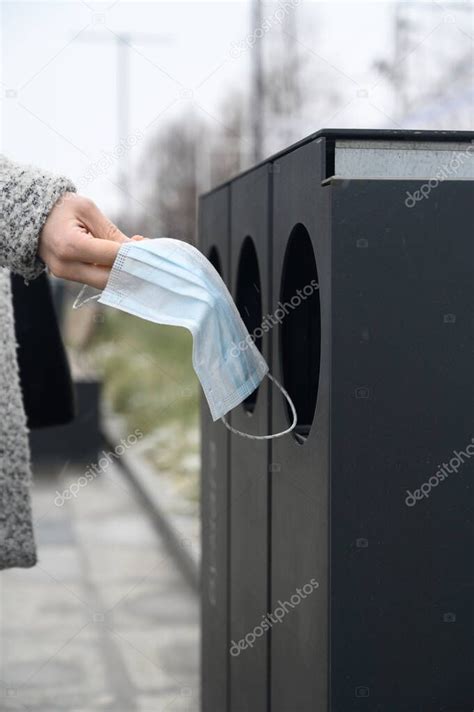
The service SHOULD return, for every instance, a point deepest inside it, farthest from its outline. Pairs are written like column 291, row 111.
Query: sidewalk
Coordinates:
column 105, row 621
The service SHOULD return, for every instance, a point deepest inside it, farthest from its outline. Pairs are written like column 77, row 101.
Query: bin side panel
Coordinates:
column 402, row 404
column 299, row 545
column 249, row 459
column 214, row 216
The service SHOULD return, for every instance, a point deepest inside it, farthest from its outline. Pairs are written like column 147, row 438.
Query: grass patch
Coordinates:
column 148, row 378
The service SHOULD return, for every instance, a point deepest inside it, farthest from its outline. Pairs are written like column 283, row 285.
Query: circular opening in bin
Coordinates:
column 300, row 329
column 249, row 302
column 215, row 260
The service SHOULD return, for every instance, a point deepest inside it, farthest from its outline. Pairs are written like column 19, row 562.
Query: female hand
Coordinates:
column 78, row 242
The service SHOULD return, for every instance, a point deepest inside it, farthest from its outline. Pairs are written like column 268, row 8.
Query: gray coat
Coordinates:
column 27, row 195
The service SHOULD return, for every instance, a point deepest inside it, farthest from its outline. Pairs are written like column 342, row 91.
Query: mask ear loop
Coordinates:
column 275, row 435
column 78, row 303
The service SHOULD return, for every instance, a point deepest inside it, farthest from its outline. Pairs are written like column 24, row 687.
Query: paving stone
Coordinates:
column 105, row 622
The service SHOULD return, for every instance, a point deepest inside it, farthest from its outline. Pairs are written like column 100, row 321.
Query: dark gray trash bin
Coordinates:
column 373, row 585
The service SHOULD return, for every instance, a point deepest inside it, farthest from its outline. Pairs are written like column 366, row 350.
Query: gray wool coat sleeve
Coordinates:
column 26, row 197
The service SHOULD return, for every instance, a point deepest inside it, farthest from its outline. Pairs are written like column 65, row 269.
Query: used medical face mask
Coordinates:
column 168, row 281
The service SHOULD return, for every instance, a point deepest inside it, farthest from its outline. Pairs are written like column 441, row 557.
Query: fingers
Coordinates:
column 79, row 243
column 93, row 275
column 99, row 252
column 97, row 224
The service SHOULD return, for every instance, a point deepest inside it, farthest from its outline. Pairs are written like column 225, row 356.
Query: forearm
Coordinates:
column 27, row 195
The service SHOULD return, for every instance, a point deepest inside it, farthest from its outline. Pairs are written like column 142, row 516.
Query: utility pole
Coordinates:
column 293, row 93
column 123, row 43
column 257, row 93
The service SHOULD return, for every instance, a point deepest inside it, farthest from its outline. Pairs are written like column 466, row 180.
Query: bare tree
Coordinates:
column 186, row 158
column 431, row 68
column 170, row 171
column 230, row 148
column 191, row 155
column 301, row 94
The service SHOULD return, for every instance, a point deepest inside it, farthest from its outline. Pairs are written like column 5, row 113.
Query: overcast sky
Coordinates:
column 59, row 68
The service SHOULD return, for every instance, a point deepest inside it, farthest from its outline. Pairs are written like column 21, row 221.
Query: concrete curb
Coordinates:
column 167, row 512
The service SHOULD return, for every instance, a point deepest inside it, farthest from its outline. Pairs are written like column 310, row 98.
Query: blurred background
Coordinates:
column 145, row 105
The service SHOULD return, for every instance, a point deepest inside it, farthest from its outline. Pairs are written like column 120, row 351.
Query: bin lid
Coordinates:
column 390, row 153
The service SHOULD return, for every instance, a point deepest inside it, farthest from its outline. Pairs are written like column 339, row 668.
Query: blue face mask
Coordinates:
column 170, row 282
